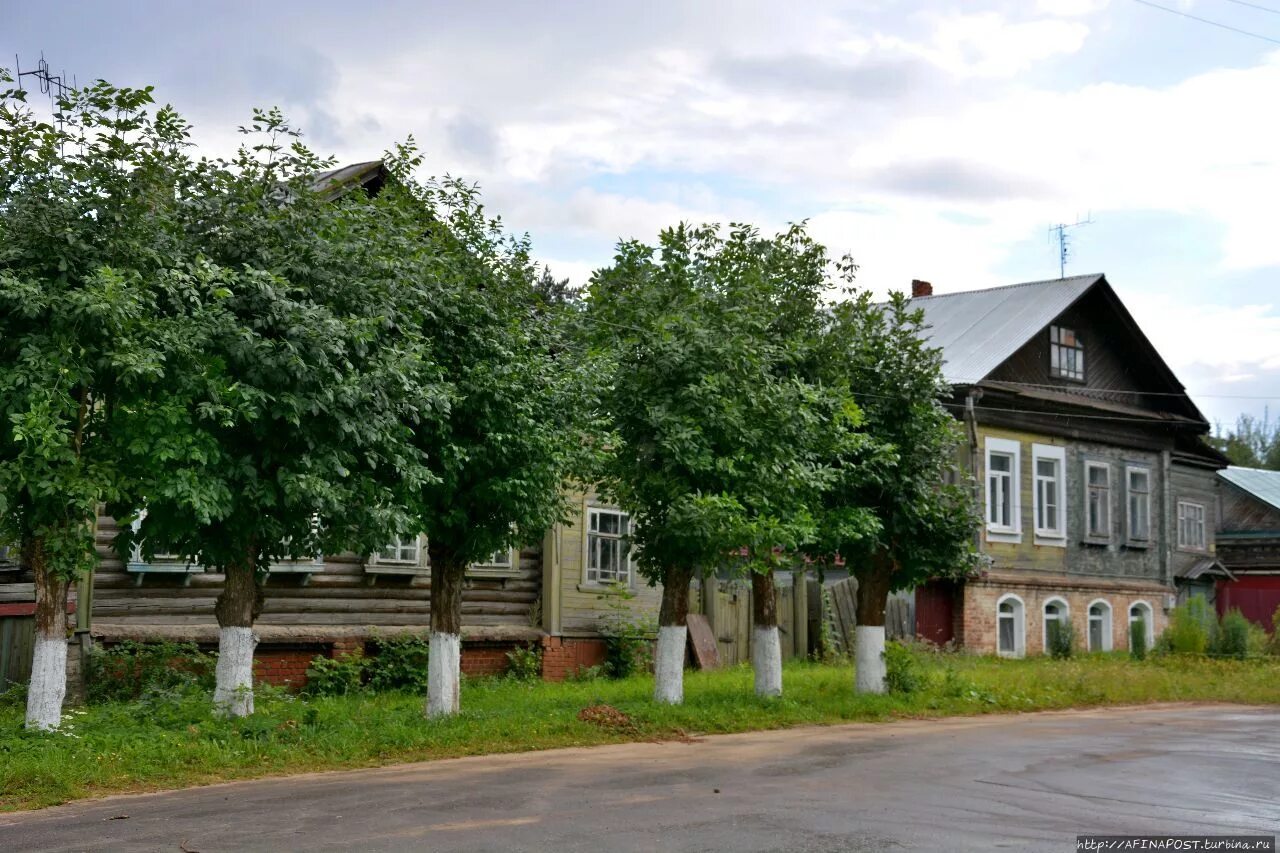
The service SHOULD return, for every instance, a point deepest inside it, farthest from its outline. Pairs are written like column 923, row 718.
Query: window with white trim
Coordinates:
column 1004, row 462
column 608, row 552
column 1097, row 500
column 1047, row 466
column 1191, row 526
column 1057, row 616
column 1066, row 354
column 1011, row 627
column 1100, row 626
column 501, row 563
column 136, row 560
column 1138, row 513
column 402, row 551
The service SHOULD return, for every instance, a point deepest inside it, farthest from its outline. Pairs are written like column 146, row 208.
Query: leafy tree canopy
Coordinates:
column 1253, row 442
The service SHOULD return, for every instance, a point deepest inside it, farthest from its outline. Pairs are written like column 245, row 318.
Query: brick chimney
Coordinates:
column 920, row 288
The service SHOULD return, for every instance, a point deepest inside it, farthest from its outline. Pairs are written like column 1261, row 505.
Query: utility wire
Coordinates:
column 1091, row 392
column 1218, row 24
column 1255, row 6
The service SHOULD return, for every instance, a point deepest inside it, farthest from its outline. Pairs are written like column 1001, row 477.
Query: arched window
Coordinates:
column 1056, row 617
column 1141, row 611
column 1100, row 626
column 1011, row 627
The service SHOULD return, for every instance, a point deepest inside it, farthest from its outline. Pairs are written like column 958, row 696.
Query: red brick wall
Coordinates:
column 563, row 657
column 485, row 658
column 284, row 667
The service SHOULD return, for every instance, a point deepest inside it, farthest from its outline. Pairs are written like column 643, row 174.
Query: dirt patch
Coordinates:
column 608, row 717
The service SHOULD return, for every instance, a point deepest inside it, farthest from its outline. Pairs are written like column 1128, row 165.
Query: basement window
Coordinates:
column 1057, row 618
column 1066, row 354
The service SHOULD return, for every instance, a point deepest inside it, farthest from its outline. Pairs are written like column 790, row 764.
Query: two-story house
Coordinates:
column 1096, row 488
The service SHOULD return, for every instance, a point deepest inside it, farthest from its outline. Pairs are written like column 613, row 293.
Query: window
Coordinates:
column 402, row 551
column 1003, row 498
column 1066, row 354
column 608, row 558
column 1056, row 618
column 1097, row 507
column 1011, row 627
column 1138, row 518
column 503, row 563
column 1191, row 535
column 1140, row 611
column 1100, row 627
column 135, row 553
column 1047, row 465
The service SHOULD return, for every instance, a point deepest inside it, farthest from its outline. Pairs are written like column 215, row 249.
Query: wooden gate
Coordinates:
column 727, row 605
column 17, row 642
column 841, row 598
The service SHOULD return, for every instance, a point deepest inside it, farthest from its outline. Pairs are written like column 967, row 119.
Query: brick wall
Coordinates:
column 485, row 658
column 563, row 657
column 284, row 667
column 977, row 622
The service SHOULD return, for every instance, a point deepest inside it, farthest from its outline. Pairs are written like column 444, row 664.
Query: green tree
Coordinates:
column 519, row 402
column 86, row 236
column 289, row 433
column 712, row 420
column 892, row 514
column 1251, row 443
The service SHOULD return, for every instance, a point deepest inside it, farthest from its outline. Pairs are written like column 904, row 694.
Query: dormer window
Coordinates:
column 1066, row 354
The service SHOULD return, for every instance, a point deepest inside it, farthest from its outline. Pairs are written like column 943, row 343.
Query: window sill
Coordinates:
column 393, row 569
column 1096, row 541
column 1007, row 537
column 1051, row 540
column 1138, row 544
column 603, row 589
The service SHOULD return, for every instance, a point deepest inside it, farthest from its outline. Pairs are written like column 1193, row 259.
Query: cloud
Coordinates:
column 951, row 178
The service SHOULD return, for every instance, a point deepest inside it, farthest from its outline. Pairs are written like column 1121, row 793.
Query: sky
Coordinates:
column 927, row 139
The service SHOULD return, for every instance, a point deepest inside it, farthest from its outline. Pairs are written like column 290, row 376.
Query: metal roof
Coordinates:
column 979, row 329
column 337, row 182
column 1208, row 566
column 1263, row 485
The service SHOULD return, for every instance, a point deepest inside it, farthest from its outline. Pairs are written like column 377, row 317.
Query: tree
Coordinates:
column 288, row 432
column 1252, row 443
column 86, row 235
column 711, row 420
column 891, row 513
column 518, row 406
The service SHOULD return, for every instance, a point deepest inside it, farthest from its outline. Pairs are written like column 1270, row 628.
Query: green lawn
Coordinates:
column 173, row 741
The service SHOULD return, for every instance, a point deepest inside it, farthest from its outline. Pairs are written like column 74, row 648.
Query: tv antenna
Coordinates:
column 1064, row 243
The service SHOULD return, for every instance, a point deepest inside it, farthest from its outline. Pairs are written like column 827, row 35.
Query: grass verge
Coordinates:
column 171, row 740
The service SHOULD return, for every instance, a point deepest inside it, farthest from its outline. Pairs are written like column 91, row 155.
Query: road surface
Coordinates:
column 1029, row 782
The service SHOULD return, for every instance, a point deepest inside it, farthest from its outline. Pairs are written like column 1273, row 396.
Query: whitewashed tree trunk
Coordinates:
column 443, row 674
column 766, row 659
column 869, row 658
column 48, row 685
column 668, row 665
column 233, row 690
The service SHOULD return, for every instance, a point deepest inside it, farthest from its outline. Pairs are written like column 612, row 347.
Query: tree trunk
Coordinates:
column 873, row 598
column 237, row 607
column 48, row 685
column 444, row 664
column 673, row 620
column 766, row 646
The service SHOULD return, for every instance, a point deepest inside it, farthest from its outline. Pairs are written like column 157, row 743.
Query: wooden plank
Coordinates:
column 702, row 640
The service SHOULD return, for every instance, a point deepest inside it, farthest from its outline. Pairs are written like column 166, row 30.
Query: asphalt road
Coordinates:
column 1029, row 782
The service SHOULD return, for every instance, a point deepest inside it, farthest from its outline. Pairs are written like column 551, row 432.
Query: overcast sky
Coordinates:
column 934, row 140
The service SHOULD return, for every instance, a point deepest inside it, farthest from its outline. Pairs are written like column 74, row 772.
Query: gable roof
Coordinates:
column 1263, row 485
column 979, row 329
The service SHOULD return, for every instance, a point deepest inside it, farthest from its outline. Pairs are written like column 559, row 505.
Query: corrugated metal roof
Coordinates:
column 1263, row 485
column 979, row 329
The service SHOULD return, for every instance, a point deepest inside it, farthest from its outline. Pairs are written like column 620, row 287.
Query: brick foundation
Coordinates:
column 564, row 657
column 977, row 620
column 284, row 667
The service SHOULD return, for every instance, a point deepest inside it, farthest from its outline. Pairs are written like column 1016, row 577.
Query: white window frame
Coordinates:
column 1107, row 625
column 1056, row 536
column 1089, row 533
column 1186, row 520
column 1044, row 619
column 590, row 575
column 1019, row 627
column 1129, row 494
column 418, row 565
column 1149, row 615
column 997, row 531
column 494, row 569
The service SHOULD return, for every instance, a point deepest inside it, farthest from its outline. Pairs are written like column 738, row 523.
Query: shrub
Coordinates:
column 338, row 676
column 627, row 636
column 399, row 663
column 131, row 669
column 1138, row 639
column 902, row 672
column 1233, row 636
column 1273, row 643
column 1192, row 628
column 524, row 663
column 1062, row 639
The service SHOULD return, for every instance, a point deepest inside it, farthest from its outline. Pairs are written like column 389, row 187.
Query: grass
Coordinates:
column 170, row 741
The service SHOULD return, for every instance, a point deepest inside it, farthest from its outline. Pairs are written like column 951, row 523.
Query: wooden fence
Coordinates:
column 841, row 614
column 727, row 606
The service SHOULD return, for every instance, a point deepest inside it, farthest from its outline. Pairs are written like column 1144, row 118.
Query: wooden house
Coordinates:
column 1249, row 543
column 1095, row 485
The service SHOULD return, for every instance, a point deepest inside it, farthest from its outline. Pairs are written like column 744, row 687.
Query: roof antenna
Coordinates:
column 1064, row 250
column 53, row 85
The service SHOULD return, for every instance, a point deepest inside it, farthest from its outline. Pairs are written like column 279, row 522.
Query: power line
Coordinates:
column 1255, row 6
column 1101, row 391
column 1218, row 24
